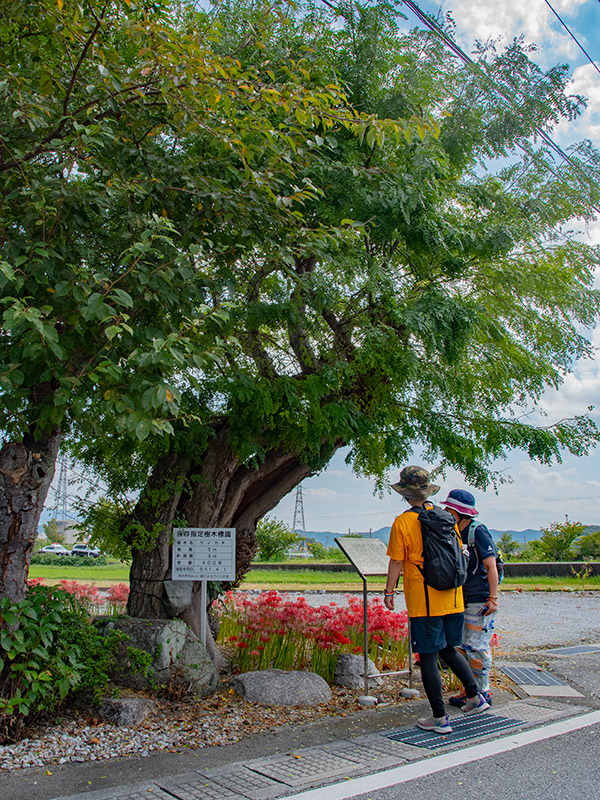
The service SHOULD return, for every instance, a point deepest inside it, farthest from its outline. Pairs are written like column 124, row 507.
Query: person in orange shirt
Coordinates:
column 437, row 635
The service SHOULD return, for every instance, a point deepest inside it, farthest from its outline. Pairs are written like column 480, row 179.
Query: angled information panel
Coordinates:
column 369, row 559
column 367, row 556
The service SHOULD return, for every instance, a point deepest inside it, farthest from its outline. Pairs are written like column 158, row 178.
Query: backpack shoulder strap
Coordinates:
column 471, row 534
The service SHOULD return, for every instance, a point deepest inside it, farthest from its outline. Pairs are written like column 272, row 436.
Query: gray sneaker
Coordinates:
column 475, row 705
column 435, row 724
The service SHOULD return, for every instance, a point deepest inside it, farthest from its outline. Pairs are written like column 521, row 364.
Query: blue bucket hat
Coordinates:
column 462, row 501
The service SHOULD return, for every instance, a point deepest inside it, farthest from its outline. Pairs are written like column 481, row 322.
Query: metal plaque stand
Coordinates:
column 203, row 554
column 369, row 559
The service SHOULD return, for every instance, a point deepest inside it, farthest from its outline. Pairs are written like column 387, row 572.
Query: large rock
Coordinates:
column 160, row 653
column 278, row 687
column 125, row 712
column 350, row 669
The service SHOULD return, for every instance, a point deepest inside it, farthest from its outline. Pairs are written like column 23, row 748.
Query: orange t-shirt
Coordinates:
column 406, row 544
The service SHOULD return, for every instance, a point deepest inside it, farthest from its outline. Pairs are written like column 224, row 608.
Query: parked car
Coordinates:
column 55, row 548
column 85, row 550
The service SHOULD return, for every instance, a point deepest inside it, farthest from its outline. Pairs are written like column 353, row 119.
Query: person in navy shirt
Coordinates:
column 480, row 591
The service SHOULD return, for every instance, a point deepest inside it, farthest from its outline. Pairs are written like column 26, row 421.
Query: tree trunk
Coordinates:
column 220, row 492
column 26, row 472
column 154, row 512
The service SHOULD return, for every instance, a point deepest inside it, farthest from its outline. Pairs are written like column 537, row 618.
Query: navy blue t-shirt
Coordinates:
column 477, row 589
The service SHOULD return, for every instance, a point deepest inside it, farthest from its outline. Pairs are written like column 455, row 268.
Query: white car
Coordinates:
column 85, row 550
column 55, row 548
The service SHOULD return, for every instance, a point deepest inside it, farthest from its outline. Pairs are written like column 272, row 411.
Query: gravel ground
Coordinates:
column 526, row 620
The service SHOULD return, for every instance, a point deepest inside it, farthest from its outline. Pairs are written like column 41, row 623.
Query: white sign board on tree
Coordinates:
column 203, row 554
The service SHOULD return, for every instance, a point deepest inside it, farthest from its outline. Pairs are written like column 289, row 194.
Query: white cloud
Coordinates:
column 480, row 19
column 586, row 82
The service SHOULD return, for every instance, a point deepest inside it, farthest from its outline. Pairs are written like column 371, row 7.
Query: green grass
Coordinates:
column 111, row 573
column 293, row 580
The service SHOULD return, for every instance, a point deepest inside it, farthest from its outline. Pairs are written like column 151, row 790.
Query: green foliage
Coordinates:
column 104, row 521
column 274, row 539
column 316, row 549
column 52, row 533
column 532, row 551
column 556, row 541
column 140, row 661
column 48, row 649
column 50, row 560
column 588, row 546
column 508, row 545
column 408, row 265
column 257, row 251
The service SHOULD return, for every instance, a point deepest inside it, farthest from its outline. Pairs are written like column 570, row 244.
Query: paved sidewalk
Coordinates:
column 529, row 621
column 283, row 775
column 284, row 762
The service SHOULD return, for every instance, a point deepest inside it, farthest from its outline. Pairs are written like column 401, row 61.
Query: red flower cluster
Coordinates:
column 113, row 601
column 273, row 631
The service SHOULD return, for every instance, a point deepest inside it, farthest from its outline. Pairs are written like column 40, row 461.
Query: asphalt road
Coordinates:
column 564, row 767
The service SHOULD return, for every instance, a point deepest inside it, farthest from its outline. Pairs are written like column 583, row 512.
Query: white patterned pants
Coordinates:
column 477, row 634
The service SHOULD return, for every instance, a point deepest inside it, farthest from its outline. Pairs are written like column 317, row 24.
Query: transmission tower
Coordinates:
column 299, row 526
column 61, row 497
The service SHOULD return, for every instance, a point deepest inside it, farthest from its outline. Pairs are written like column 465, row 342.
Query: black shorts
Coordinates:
column 432, row 634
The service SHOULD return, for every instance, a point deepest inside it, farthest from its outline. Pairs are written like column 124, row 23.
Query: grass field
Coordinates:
column 297, row 581
column 97, row 576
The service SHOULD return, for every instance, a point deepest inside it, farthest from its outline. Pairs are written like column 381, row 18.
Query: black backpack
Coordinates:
column 497, row 552
column 444, row 560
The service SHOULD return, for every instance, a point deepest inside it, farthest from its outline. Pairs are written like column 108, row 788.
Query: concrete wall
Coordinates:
column 513, row 569
column 556, row 569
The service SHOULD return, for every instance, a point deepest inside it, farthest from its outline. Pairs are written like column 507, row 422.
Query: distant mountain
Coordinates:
column 327, row 537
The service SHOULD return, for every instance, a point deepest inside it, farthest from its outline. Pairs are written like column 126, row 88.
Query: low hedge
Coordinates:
column 52, row 560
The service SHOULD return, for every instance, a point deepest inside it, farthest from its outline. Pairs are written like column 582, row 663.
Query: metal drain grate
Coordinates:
column 572, row 651
column 462, row 729
column 528, row 676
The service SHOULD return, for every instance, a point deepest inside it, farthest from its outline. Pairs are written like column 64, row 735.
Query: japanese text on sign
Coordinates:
column 203, row 554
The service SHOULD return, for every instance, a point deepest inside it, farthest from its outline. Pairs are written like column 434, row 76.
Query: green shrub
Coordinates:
column 48, row 649
column 588, row 546
column 50, row 560
column 557, row 540
column 274, row 539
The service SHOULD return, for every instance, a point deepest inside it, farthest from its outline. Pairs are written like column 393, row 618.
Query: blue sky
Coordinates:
column 338, row 501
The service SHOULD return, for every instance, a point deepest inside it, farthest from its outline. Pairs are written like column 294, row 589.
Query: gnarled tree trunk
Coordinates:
column 220, row 492
column 26, row 472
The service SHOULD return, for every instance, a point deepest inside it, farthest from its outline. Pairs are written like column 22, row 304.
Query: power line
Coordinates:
column 572, row 35
column 457, row 50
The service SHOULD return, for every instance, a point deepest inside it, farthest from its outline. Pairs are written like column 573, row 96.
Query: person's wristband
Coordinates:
column 389, row 594
column 493, row 598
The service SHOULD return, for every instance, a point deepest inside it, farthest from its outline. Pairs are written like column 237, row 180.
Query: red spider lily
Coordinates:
column 118, row 593
column 293, row 635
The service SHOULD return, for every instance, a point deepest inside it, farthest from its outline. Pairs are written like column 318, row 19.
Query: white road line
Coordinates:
column 427, row 766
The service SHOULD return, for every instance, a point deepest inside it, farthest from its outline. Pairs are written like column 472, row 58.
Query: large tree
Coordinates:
column 133, row 153
column 455, row 296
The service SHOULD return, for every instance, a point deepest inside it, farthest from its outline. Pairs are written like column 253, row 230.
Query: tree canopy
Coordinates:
column 133, row 153
column 409, row 281
column 429, row 292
